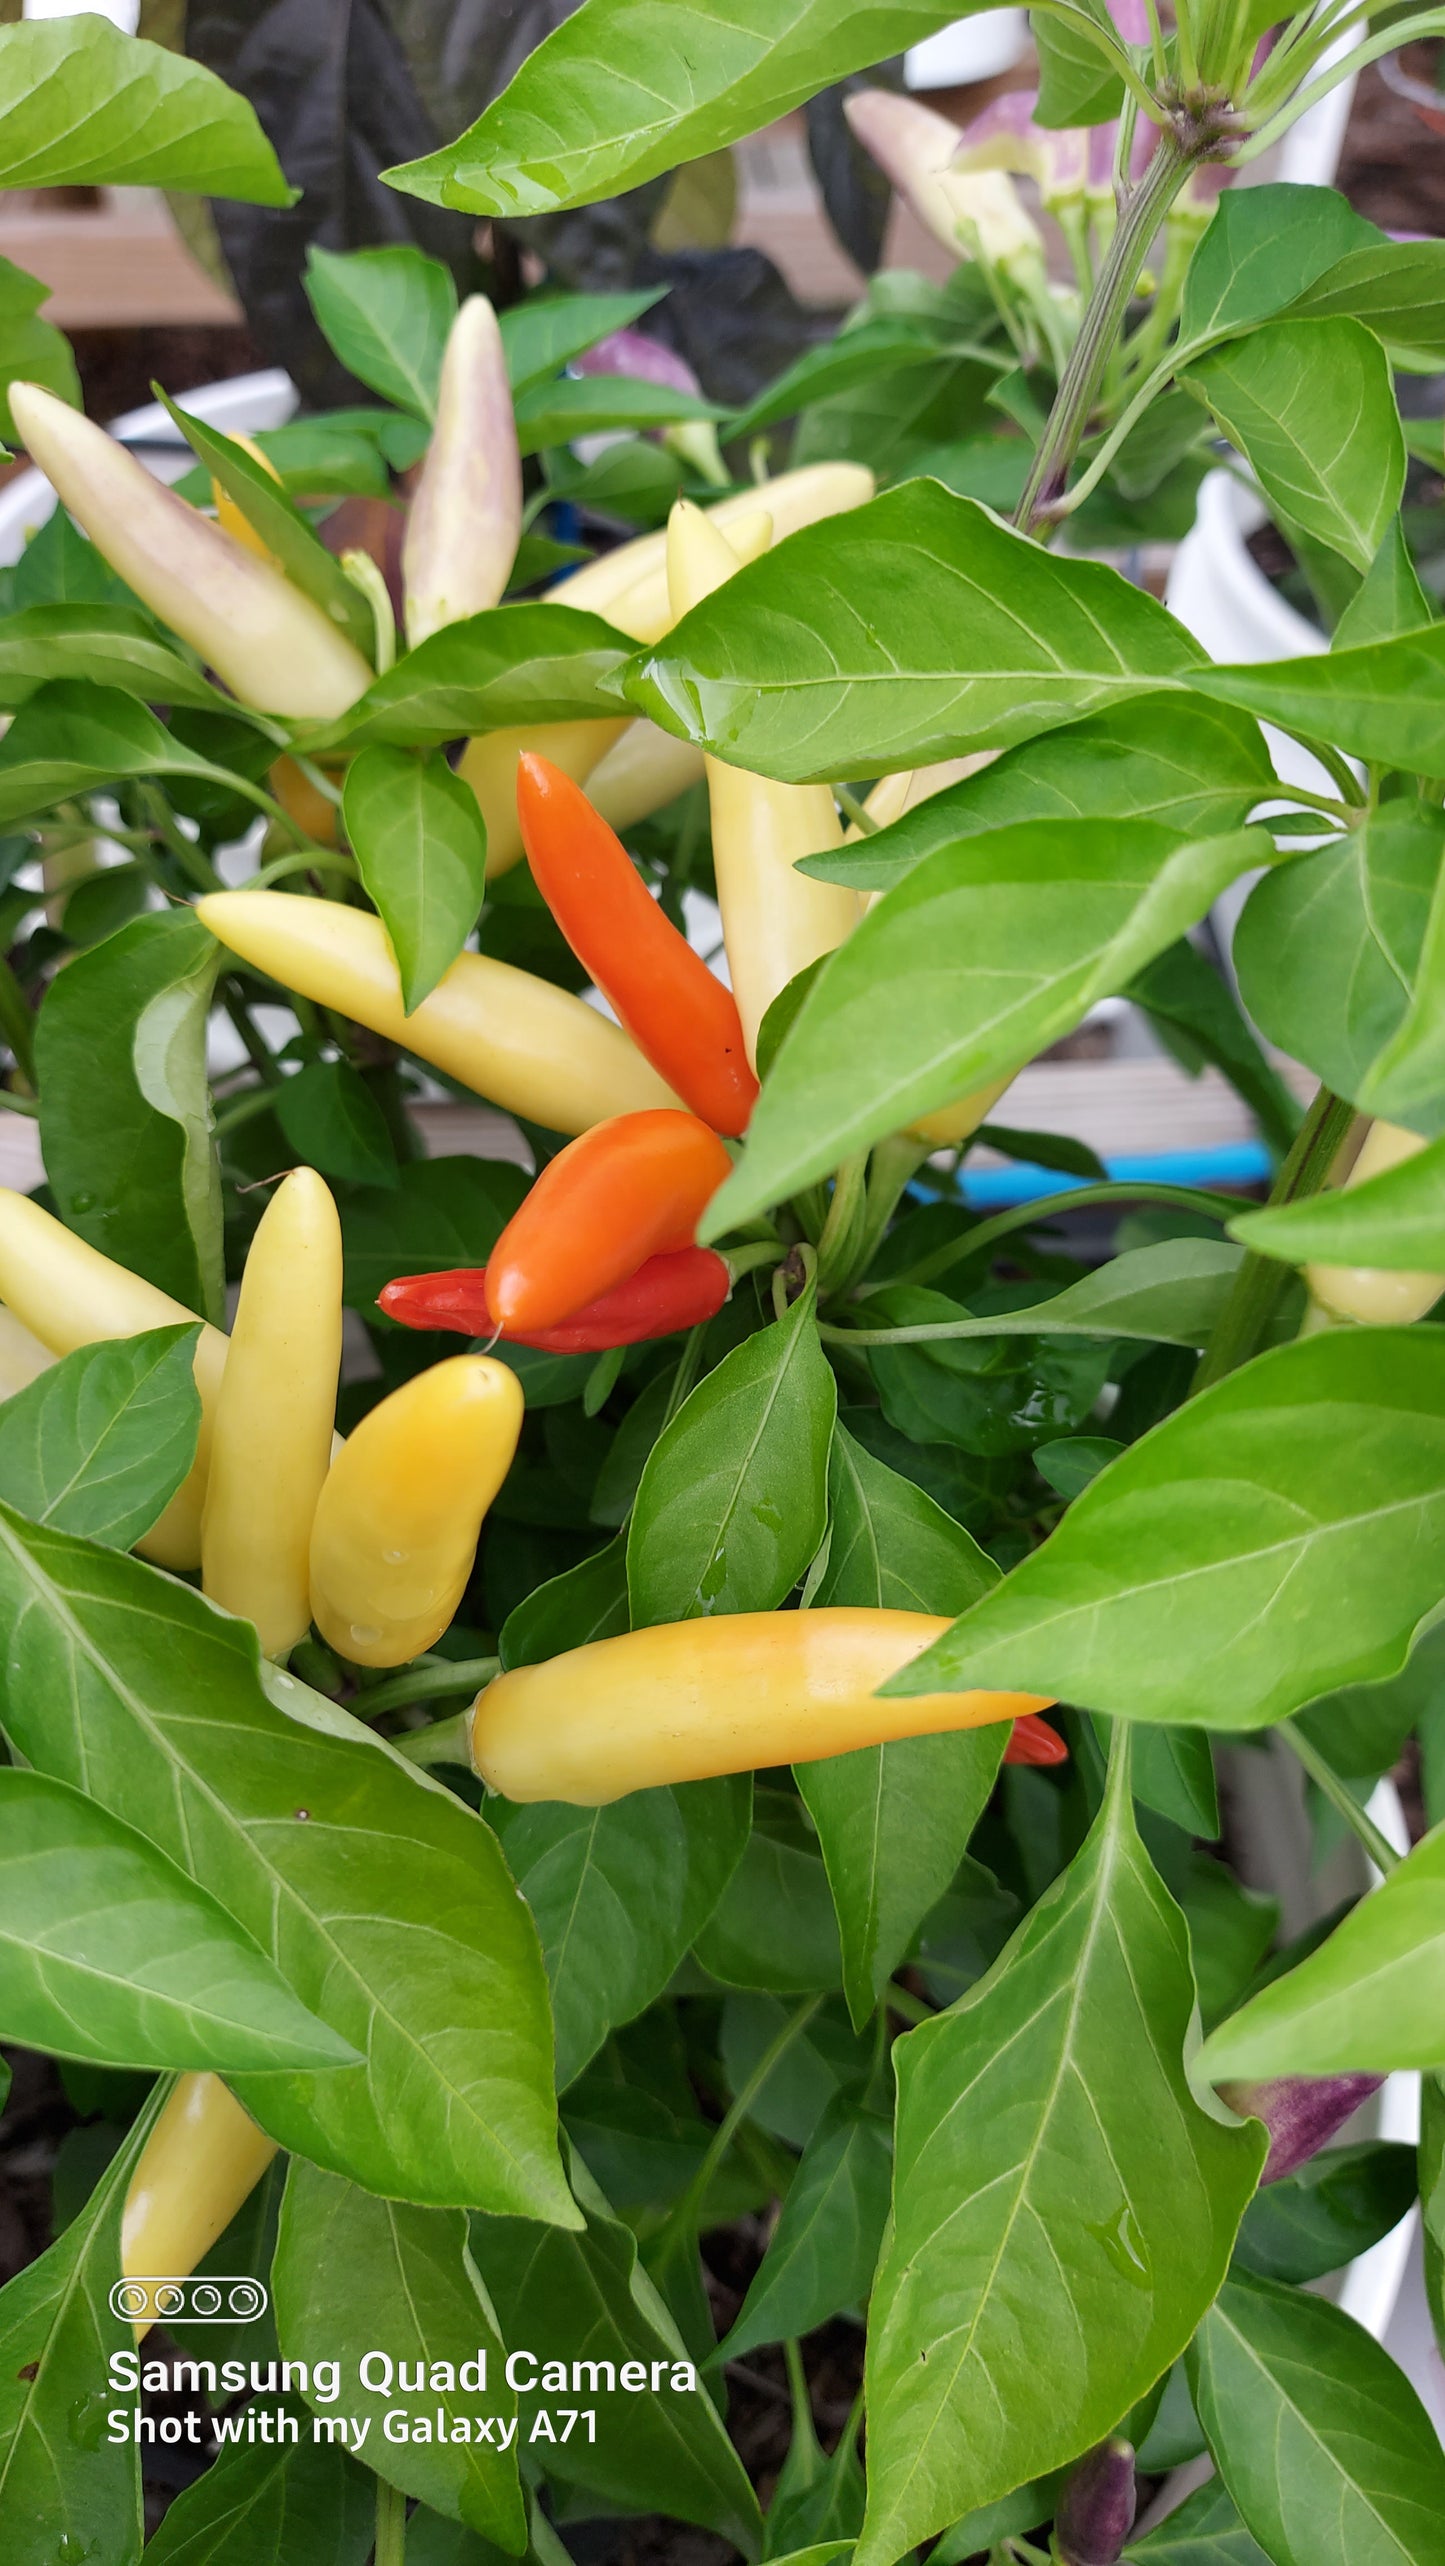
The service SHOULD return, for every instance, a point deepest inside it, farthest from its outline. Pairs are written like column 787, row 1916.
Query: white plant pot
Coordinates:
column 971, row 49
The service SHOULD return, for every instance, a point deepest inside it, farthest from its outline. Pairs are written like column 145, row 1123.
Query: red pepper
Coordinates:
column 1034, row 1742
column 665, row 1294
column 632, row 1187
column 676, row 1011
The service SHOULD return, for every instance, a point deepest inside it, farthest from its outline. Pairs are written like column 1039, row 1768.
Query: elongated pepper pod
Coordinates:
column 691, row 1699
column 67, row 1294
column 678, row 1013
column 263, row 638
column 271, row 1441
column 534, row 1049
column 775, row 920
column 396, row 1528
column 1301, row 2113
column 200, row 2164
column 629, row 587
column 630, row 1189
column 22, row 1356
column 665, row 1294
column 644, row 771
column 1096, row 2512
column 466, row 510
column 1374, row 1294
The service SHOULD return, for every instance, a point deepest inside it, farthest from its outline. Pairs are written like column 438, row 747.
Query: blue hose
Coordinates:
column 1244, row 1162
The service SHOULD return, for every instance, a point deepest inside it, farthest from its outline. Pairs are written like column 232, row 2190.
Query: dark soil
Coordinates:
column 1393, row 168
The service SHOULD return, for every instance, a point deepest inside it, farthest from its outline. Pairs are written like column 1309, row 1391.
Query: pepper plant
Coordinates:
column 742, row 1734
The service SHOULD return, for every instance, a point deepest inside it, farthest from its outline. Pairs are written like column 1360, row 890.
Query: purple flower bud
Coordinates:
column 1301, row 2114
column 1096, row 2513
column 641, row 359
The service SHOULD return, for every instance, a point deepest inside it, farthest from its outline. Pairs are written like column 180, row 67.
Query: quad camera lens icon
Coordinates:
column 162, row 2297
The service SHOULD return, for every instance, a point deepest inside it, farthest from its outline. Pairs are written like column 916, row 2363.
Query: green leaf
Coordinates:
column 732, row 1503
column 636, row 88
column 31, row 350
column 420, row 841
column 587, row 405
column 826, row 2242
column 1372, row 1996
column 619, row 1894
column 334, row 1123
column 1050, row 2158
column 1231, row 1928
column 1432, row 2196
column 584, row 2298
column 109, row 1953
column 585, row 1603
column 1396, row 1220
column 1261, row 250
column 101, row 1441
column 1320, row 2439
column 894, row 1821
column 1337, row 2206
column 1328, row 946
column 884, row 348
column 110, row 646
column 1397, row 287
column 1158, row 1600
column 1204, row 2531
column 1044, row 1149
column 972, row 638
column 75, row 737
column 1171, row 1293
column 1069, row 1463
column 1389, row 599
column 281, row 526
column 1311, row 407
column 57, row 2332
column 85, row 106
column 127, row 1021
column 1201, row 770
column 774, row 1928
column 386, row 313
column 1192, row 1006
column 440, row 1212
column 545, row 331
column 990, row 950
column 511, row 665
column 351, row 2273
column 989, row 1398
column 1077, row 83
column 433, row 1974
column 301, row 2504
column 1384, row 703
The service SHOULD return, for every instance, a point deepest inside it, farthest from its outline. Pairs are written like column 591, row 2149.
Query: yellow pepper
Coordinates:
column 271, row 1440
column 466, row 510
column 691, row 1699
column 642, row 773
column 398, row 1519
column 629, row 587
column 202, row 2161
column 263, row 638
column 68, row 1294
column 534, row 1049
column 775, row 920
column 235, row 520
column 1373, row 1294
column 22, row 1356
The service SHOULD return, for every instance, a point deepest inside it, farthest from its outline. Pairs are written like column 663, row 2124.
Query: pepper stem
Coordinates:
column 390, row 2549
column 1337, row 1791
column 445, row 1742
column 1255, row 1291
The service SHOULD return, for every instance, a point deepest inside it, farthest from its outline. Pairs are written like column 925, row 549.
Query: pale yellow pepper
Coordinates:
column 398, row 1520
column 775, row 919
column 534, row 1049
column 270, row 644
column 465, row 517
column 22, row 1356
column 1372, row 1294
column 68, row 1294
column 645, row 771
column 198, row 2167
column 629, row 589
column 690, row 1699
column 271, row 1440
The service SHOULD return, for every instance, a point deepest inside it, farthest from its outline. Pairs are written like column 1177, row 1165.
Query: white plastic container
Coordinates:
column 971, row 49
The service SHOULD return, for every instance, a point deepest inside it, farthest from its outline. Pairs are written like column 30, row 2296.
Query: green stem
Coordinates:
column 684, row 2219
column 1193, row 1198
column 1255, row 1291
column 445, row 1742
column 17, row 1025
column 1337, row 1791
column 14, row 1104
column 258, row 1050
column 687, row 1369
column 243, row 1109
column 309, row 858
column 901, row 2000
column 854, row 810
column 841, row 1230
column 428, row 1683
column 746, row 1260
column 390, row 2549
column 891, row 1170
column 193, row 863
column 1140, row 219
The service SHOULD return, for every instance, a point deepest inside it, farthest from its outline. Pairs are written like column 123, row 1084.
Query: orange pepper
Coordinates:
column 633, row 1187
